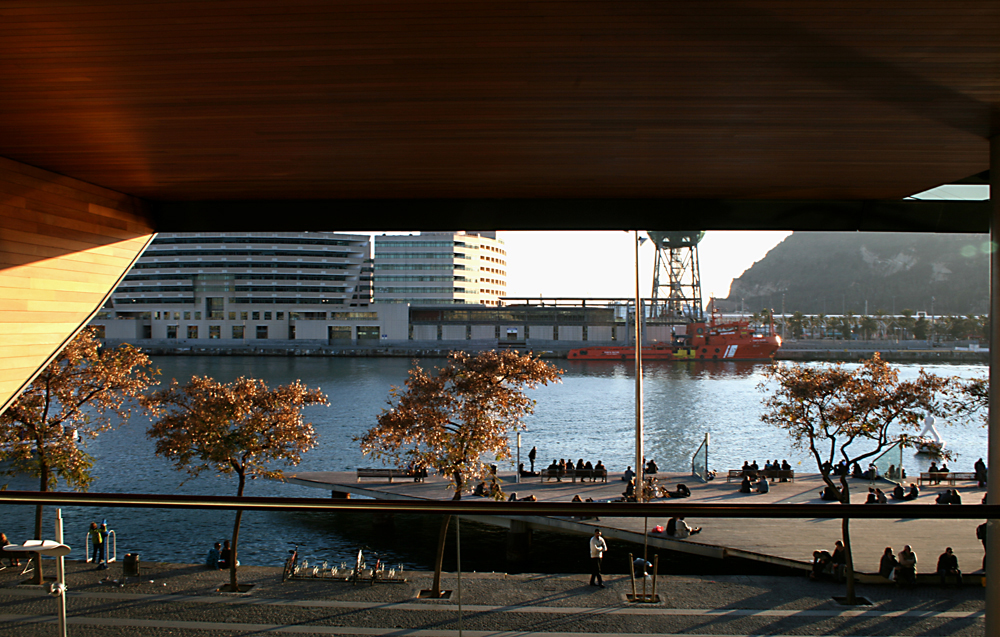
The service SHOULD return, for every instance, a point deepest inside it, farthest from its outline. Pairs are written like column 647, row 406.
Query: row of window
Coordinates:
column 418, row 277
column 395, row 243
column 420, row 266
column 161, row 240
column 237, row 300
column 240, row 264
column 334, row 332
column 512, row 333
column 256, row 316
column 248, row 253
column 417, row 290
column 420, row 255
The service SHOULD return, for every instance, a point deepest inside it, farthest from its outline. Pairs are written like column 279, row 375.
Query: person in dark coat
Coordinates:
column 531, row 457
column 912, row 493
column 745, row 486
column 948, row 566
column 888, row 563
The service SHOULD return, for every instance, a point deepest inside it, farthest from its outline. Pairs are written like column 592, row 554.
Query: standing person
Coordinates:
column 981, row 474
column 103, row 529
column 948, row 565
column 97, row 544
column 981, row 535
column 531, row 456
column 598, row 547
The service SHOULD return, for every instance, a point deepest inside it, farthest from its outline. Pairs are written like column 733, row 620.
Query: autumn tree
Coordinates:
column 835, row 414
column 86, row 390
column 232, row 428
column 458, row 419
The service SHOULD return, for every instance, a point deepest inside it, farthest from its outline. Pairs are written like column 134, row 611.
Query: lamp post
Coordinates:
column 639, row 468
column 57, row 550
column 517, row 479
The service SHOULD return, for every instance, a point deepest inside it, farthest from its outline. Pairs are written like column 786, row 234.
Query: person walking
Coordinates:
column 598, row 547
column 531, row 456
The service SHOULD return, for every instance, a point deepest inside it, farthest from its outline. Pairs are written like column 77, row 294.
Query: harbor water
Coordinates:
column 588, row 415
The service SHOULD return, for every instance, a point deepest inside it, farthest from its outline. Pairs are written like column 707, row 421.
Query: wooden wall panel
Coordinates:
column 64, row 245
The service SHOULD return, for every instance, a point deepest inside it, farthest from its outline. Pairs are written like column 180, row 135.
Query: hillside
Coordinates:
column 830, row 272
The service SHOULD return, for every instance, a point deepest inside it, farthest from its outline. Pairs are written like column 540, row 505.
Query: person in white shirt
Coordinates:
column 597, row 549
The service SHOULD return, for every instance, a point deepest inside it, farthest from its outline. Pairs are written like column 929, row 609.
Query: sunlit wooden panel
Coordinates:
column 64, row 245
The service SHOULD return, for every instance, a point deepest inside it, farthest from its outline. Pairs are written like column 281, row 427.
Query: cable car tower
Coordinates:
column 676, row 276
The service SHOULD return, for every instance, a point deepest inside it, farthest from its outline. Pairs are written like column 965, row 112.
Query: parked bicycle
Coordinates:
column 290, row 563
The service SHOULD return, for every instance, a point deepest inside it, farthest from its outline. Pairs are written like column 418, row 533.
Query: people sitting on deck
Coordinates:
column 856, row 471
column 553, row 470
column 14, row 561
column 981, row 472
column 681, row 492
column 682, row 530
column 912, row 493
column 480, row 490
column 628, row 475
column 785, row 467
column 524, row 473
column 933, row 469
column 495, row 491
column 762, row 484
column 579, row 465
column 956, row 497
column 577, row 498
column 745, row 486
column 746, row 467
column 214, row 555
column 599, row 467
column 942, row 469
column 829, row 493
column 880, row 496
column 839, row 561
column 753, row 467
column 872, row 498
column 906, row 571
column 563, row 468
column 651, row 468
column 224, row 555
column 948, row 566
column 768, row 466
column 588, row 466
column 898, row 493
column 888, row 563
column 629, row 493
column 821, row 559
column 672, row 527
column 944, row 497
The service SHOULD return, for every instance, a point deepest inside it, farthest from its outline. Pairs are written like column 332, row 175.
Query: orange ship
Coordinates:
column 730, row 341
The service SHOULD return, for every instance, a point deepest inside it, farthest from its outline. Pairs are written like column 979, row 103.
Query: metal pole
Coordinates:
column 993, row 477
column 458, row 569
column 517, row 479
column 639, row 468
column 61, row 575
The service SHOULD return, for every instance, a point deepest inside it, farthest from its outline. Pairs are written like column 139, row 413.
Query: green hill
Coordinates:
column 830, row 272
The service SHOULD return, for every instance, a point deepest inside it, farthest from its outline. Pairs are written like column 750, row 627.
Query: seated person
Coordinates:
column 943, row 468
column 599, row 467
column 906, row 571
column 785, row 467
column 495, row 491
column 513, row 497
column 821, row 559
column 762, row 484
column 933, row 469
column 872, row 499
column 480, row 490
column 14, row 561
column 577, row 498
column 672, row 527
column 746, row 467
column 768, row 466
column 948, row 566
column 956, row 497
column 683, row 530
column 745, row 485
column 579, row 465
column 829, row 493
column 898, row 493
column 629, row 493
column 588, row 466
column 887, row 564
column 628, row 475
column 682, row 491
column 651, row 467
column 856, row 471
column 880, row 496
column 563, row 468
column 944, row 497
column 912, row 493
column 214, row 556
column 552, row 471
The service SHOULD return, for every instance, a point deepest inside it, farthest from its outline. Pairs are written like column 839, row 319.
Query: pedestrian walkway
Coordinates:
column 182, row 599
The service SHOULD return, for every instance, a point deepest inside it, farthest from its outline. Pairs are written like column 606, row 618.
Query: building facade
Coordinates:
column 440, row 268
column 247, row 286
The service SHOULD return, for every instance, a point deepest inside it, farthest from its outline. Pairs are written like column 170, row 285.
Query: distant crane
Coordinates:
column 676, row 275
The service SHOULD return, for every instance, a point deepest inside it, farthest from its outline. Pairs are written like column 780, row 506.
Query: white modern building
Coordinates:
column 440, row 268
column 251, row 286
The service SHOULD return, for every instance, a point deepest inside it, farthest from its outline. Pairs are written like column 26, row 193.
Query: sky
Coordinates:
column 592, row 264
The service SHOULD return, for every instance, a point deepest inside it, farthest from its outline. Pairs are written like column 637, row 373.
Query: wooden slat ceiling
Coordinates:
column 369, row 99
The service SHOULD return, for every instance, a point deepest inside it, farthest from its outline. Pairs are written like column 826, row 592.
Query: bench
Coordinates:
column 416, row 476
column 773, row 475
column 951, row 477
column 593, row 474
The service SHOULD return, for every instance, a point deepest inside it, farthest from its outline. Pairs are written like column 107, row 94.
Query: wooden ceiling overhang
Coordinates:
column 382, row 114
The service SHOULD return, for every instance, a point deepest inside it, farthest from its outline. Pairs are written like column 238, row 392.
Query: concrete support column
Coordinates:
column 518, row 542
column 993, row 539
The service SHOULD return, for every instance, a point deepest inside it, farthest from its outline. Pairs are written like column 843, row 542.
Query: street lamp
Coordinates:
column 57, row 550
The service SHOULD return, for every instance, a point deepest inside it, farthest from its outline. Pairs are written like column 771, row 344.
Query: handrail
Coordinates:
column 830, row 510
column 109, row 556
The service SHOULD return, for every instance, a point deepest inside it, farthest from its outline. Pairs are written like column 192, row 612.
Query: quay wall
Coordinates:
column 837, row 351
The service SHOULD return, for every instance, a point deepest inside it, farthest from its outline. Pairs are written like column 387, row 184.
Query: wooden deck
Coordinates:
column 780, row 541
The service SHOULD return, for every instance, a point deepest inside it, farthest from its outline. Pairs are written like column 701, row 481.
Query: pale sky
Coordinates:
column 581, row 264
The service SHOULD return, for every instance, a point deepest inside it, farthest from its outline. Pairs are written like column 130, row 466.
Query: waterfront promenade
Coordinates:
column 181, row 600
column 787, row 542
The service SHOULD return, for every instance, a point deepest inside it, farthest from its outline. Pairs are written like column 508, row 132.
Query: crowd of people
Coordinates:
column 560, row 468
